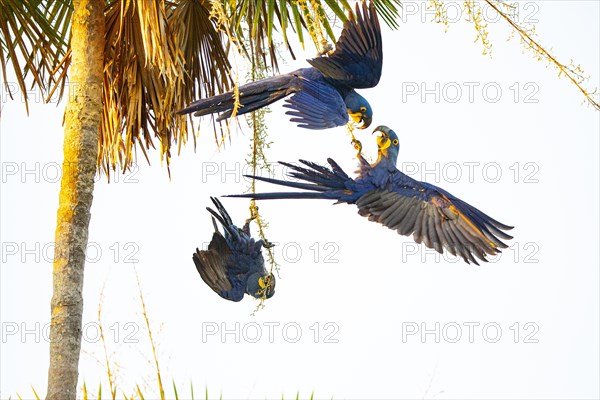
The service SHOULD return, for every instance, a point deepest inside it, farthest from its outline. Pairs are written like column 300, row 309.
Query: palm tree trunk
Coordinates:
column 82, row 123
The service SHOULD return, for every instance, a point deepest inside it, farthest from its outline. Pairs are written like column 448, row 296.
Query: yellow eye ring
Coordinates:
column 395, row 142
column 363, row 109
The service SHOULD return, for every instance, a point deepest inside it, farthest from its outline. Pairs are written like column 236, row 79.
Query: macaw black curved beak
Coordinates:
column 366, row 122
column 383, row 141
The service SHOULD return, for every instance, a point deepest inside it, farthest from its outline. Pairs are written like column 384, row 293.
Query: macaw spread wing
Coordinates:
column 358, row 57
column 436, row 221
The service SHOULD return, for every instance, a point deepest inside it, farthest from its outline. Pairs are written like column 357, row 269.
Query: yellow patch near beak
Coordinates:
column 357, row 116
column 383, row 142
column 261, row 283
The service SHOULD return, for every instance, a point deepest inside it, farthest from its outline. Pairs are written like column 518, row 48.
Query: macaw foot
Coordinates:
column 253, row 212
column 350, row 129
column 355, row 142
column 267, row 244
column 357, row 146
column 253, row 216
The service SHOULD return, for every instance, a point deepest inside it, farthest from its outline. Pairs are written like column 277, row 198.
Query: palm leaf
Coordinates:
column 207, row 67
column 270, row 14
column 252, row 22
column 140, row 73
column 60, row 13
column 333, row 6
column 388, row 10
column 305, row 16
column 32, row 41
column 159, row 56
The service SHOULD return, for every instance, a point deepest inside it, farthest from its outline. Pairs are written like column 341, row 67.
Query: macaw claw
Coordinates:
column 357, row 146
column 267, row 244
column 253, row 214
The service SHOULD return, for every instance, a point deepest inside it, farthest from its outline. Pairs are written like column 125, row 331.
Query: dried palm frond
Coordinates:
column 143, row 65
column 159, row 56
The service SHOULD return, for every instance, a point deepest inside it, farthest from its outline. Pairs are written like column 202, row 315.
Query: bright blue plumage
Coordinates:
column 322, row 96
column 233, row 265
column 386, row 195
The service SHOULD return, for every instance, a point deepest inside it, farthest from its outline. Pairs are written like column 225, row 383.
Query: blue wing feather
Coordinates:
column 358, row 58
column 317, row 106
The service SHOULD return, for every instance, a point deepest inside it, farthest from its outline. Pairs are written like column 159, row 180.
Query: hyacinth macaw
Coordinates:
column 233, row 265
column 322, row 96
column 386, row 195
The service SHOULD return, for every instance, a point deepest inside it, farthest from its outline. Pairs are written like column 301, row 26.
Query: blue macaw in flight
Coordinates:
column 233, row 265
column 384, row 194
column 322, row 96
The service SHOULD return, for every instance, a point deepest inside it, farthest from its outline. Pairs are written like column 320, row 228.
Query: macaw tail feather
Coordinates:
column 322, row 183
column 281, row 195
column 223, row 218
column 226, row 219
column 253, row 96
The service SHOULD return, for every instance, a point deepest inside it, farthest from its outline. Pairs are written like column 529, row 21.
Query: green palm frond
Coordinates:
column 315, row 17
column 33, row 40
column 60, row 13
column 252, row 21
column 388, row 10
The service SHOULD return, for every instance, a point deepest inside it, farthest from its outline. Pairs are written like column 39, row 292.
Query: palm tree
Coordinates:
column 82, row 120
column 129, row 64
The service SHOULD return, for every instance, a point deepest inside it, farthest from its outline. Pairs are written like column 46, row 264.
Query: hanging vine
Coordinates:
column 315, row 20
column 258, row 160
column 526, row 33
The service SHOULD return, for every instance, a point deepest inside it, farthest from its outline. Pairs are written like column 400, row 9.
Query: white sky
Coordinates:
column 527, row 155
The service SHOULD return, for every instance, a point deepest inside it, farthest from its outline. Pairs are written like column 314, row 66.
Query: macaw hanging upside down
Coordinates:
column 233, row 265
